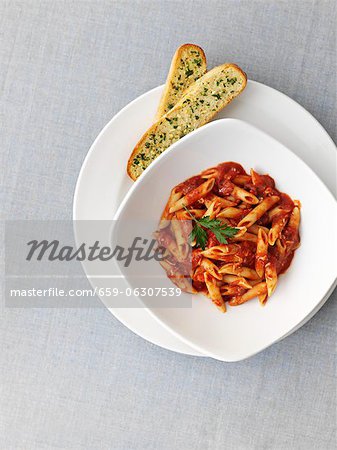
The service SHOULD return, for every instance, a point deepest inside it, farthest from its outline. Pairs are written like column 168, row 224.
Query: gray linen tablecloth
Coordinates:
column 78, row 379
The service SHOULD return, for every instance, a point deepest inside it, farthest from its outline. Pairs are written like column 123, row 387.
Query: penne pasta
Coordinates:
column 245, row 237
column 232, row 259
column 245, row 196
column 212, row 210
column 222, row 202
column 271, row 277
column 240, row 231
column 277, row 226
column 243, row 205
column 244, row 234
column 261, row 180
column 171, row 246
column 261, row 252
column 221, row 251
column 275, row 212
column 245, row 272
column 230, row 213
column 281, row 247
column 209, row 173
column 198, row 274
column 254, row 282
column 291, row 231
column 177, row 278
column 184, row 215
column 263, row 297
column 294, row 219
column 174, row 197
column 193, row 195
column 258, row 211
column 258, row 290
column 211, row 268
column 232, row 199
column 214, row 292
column 240, row 281
column 232, row 290
column 255, row 229
column 242, row 180
column 178, row 232
column 181, row 239
column 280, row 210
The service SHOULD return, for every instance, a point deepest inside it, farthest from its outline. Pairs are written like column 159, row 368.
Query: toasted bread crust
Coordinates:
column 151, row 143
column 185, row 56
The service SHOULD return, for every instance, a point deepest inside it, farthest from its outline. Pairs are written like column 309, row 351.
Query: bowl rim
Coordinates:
column 213, row 124
column 147, row 173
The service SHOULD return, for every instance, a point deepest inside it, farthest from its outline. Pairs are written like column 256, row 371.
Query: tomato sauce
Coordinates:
column 279, row 255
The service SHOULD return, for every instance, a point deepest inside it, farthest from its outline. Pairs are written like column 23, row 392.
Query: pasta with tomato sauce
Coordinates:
column 228, row 234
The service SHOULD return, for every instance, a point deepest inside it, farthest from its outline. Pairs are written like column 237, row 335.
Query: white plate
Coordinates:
column 102, row 182
column 243, row 331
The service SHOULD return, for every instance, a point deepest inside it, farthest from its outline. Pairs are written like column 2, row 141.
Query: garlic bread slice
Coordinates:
column 188, row 64
column 199, row 104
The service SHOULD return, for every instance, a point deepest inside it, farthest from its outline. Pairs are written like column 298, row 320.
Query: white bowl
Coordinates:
column 245, row 330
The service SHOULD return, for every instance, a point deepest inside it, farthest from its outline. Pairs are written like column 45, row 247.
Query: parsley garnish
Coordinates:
column 199, row 234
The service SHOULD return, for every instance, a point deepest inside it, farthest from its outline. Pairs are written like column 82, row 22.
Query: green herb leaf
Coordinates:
column 199, row 234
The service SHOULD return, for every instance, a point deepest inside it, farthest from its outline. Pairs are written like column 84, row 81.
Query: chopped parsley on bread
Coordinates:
column 198, row 105
column 188, row 64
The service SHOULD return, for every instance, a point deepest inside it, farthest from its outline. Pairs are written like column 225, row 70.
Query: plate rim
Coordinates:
column 160, row 87
column 86, row 160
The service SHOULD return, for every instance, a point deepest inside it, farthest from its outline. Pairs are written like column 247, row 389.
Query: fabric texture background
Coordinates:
column 78, row 379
